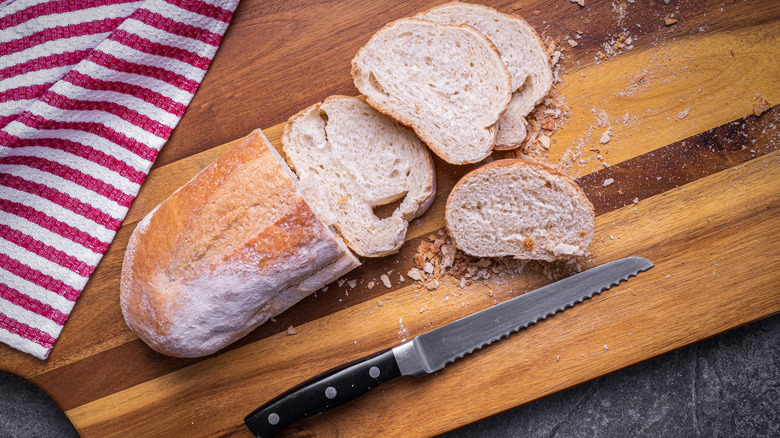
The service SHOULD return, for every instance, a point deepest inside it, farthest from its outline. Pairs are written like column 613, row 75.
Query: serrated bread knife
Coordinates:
column 431, row 351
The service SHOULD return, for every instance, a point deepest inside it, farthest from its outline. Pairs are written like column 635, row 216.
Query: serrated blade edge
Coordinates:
column 433, row 350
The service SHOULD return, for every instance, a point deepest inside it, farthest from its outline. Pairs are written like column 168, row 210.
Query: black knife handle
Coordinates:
column 321, row 393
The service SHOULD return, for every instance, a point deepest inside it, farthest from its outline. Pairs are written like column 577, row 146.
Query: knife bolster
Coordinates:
column 408, row 357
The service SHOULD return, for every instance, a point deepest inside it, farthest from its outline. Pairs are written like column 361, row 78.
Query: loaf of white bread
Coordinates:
column 244, row 240
column 248, row 237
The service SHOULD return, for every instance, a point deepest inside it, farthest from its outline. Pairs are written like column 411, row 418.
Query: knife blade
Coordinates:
column 433, row 350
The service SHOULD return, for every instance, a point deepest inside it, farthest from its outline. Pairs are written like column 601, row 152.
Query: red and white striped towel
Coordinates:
column 90, row 90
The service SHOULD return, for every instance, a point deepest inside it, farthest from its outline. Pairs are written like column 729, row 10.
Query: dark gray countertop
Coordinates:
column 726, row 386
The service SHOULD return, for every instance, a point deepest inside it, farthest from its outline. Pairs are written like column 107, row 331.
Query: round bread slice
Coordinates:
column 446, row 82
column 522, row 51
column 521, row 209
column 365, row 173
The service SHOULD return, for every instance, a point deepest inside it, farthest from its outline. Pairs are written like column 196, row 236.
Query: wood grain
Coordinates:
column 697, row 194
column 685, row 247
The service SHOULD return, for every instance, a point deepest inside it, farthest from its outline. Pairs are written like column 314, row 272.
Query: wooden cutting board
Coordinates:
column 695, row 187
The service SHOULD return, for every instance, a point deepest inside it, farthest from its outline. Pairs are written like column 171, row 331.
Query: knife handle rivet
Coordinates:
column 330, row 392
column 273, row 418
column 373, row 372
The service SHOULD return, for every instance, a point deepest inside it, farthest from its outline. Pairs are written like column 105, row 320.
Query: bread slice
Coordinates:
column 351, row 161
column 233, row 247
column 522, row 51
column 521, row 209
column 446, row 82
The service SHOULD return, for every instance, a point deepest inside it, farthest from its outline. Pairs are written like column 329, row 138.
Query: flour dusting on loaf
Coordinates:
column 233, row 247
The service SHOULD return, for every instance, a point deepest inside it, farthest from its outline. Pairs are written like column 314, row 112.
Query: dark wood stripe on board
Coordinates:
column 638, row 178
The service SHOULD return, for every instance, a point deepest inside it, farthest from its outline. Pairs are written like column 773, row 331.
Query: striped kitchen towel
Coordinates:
column 90, row 90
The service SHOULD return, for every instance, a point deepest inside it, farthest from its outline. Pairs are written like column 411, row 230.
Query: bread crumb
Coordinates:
column 605, row 347
column 556, row 56
column 606, row 136
column 608, row 182
column 419, row 261
column 636, row 200
column 352, row 284
column 544, row 140
column 579, row 2
column 341, row 282
column 573, row 43
column 401, row 278
column 761, row 106
column 670, row 21
column 637, row 78
column 291, row 331
column 380, row 303
column 370, row 285
column 415, row 274
column 386, row 281
column 683, row 114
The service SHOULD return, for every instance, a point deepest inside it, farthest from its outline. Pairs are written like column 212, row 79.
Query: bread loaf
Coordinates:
column 522, row 51
column 521, row 209
column 446, row 82
column 233, row 247
column 352, row 160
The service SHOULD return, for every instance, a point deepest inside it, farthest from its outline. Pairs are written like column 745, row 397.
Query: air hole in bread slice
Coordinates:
column 372, row 80
column 384, row 211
